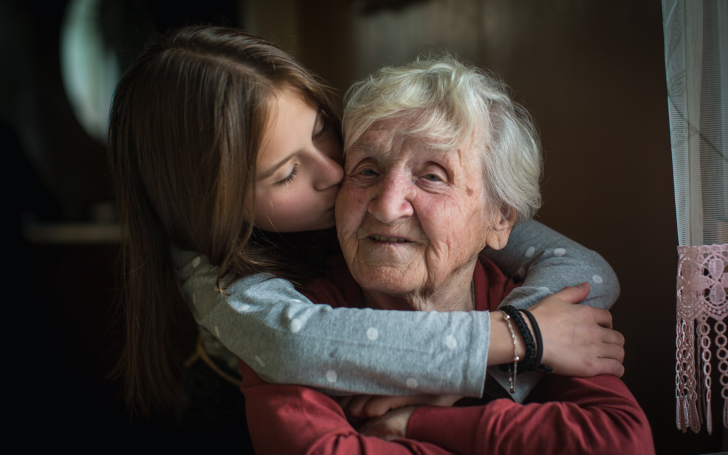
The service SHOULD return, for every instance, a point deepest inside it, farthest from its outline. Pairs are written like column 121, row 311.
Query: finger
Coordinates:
column 613, row 337
column 612, row 351
column 574, row 294
column 611, row 367
column 602, row 317
column 380, row 405
column 355, row 408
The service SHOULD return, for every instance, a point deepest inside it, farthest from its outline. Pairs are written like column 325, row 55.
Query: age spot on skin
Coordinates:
column 469, row 191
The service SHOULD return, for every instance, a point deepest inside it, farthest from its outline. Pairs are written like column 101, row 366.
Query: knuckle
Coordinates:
column 591, row 365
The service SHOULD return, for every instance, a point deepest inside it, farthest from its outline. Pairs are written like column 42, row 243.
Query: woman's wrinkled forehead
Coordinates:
column 382, row 136
column 426, row 129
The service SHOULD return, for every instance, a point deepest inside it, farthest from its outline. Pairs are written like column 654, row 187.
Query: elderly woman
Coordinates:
column 434, row 151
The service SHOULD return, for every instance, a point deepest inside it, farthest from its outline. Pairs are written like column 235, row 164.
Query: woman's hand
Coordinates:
column 578, row 340
column 368, row 406
column 392, row 425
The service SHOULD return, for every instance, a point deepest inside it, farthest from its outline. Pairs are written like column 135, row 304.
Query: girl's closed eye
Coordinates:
column 290, row 177
column 322, row 127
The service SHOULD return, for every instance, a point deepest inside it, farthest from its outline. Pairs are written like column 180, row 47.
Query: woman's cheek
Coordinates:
column 440, row 218
column 351, row 208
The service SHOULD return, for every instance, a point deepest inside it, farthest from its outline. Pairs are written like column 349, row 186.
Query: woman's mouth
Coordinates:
column 381, row 238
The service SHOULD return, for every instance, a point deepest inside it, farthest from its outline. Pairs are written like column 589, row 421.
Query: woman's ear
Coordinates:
column 500, row 228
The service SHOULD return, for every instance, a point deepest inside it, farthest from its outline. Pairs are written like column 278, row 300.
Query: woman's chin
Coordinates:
column 385, row 279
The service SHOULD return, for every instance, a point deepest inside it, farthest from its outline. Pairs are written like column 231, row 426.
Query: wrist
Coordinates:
column 500, row 347
column 532, row 358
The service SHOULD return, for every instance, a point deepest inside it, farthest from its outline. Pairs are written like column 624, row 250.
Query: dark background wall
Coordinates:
column 592, row 73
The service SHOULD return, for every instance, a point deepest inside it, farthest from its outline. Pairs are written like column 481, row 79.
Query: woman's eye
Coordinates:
column 368, row 173
column 432, row 177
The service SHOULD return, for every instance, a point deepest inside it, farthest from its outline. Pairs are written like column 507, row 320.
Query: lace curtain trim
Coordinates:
column 702, row 279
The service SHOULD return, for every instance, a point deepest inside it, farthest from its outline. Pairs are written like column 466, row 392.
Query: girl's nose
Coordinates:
column 329, row 172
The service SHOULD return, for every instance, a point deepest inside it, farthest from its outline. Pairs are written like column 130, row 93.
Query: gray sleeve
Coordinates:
column 548, row 261
column 286, row 338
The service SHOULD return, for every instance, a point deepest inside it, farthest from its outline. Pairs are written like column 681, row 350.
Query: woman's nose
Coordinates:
column 329, row 172
column 390, row 200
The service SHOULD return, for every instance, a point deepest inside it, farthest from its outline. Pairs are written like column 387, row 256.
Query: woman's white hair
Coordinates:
column 454, row 105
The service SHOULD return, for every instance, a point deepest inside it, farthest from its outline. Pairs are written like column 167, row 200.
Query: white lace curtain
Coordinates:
column 696, row 62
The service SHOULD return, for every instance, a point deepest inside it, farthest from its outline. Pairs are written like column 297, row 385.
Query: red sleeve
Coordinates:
column 294, row 419
column 566, row 415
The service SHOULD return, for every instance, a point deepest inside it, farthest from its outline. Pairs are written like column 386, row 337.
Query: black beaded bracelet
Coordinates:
column 529, row 361
column 539, row 342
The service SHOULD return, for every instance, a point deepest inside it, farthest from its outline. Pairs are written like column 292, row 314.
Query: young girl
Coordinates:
column 218, row 141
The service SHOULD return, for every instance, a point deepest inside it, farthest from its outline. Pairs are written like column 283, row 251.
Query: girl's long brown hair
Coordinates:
column 184, row 132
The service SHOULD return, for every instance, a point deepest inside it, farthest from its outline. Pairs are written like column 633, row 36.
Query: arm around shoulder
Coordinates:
column 547, row 261
column 288, row 339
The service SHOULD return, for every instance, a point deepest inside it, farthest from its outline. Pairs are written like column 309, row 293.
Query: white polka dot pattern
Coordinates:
column 451, row 342
column 372, row 333
column 598, row 279
column 196, row 262
column 559, row 252
column 411, row 383
column 296, row 325
column 545, row 289
column 295, row 301
column 244, row 307
column 260, row 361
column 530, row 251
column 217, row 332
column 331, row 376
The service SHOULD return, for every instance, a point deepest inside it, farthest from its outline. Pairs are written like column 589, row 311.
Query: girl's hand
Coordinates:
column 392, row 425
column 368, row 406
column 578, row 340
